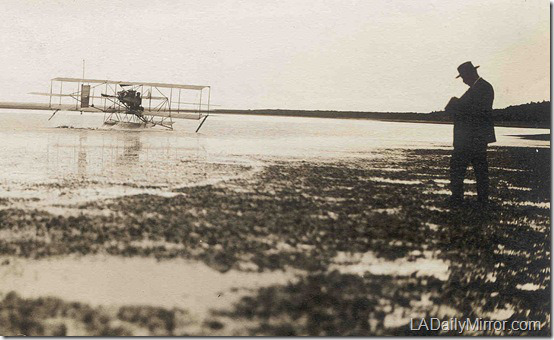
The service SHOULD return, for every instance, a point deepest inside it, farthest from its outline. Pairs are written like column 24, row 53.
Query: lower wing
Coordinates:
column 177, row 114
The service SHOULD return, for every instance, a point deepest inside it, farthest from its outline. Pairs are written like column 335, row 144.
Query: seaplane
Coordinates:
column 125, row 103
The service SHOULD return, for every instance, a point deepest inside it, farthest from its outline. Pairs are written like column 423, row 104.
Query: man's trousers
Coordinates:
column 476, row 155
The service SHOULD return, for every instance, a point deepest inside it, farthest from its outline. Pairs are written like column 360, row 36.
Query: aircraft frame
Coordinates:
column 142, row 104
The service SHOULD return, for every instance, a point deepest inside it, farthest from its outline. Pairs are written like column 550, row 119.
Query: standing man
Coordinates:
column 473, row 131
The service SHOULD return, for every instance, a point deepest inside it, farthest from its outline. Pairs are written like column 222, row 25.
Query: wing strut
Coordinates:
column 54, row 114
column 203, row 120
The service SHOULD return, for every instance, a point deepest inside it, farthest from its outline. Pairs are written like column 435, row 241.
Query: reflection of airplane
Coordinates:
column 82, row 157
column 132, row 147
column 125, row 103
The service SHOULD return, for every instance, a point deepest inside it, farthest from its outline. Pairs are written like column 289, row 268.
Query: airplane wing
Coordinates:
column 77, row 95
column 116, row 82
column 32, row 106
column 147, row 97
column 182, row 114
column 166, row 103
column 177, row 114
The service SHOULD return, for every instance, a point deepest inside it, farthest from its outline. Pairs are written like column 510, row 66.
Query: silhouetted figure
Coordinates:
column 473, row 131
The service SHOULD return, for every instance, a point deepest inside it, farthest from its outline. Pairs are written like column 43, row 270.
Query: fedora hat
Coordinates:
column 466, row 67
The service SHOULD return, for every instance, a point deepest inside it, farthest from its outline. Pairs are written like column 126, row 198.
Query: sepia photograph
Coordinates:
column 275, row 168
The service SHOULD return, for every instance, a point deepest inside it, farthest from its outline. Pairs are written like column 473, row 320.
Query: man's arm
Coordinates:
column 452, row 104
column 475, row 104
column 480, row 102
column 453, row 109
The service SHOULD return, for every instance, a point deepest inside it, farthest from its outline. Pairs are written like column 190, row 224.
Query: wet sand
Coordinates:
column 351, row 246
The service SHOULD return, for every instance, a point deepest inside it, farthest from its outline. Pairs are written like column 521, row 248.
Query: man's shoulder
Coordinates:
column 483, row 84
column 482, row 88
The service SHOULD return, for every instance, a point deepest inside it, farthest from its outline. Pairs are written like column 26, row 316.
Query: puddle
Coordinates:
column 506, row 169
column 151, row 244
column 432, row 226
column 389, row 211
column 385, row 169
column 497, row 314
column 519, row 188
column 447, row 181
column 110, row 280
column 395, row 181
column 433, row 208
column 360, row 263
column 529, row 287
column 544, row 205
column 449, row 192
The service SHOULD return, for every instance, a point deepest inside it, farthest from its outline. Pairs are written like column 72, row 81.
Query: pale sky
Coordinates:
column 398, row 55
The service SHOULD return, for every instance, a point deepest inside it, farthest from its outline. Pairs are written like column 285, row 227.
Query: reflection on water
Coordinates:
column 82, row 161
column 131, row 149
column 120, row 156
column 64, row 166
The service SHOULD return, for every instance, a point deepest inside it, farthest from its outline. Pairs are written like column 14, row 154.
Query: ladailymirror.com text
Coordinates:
column 476, row 324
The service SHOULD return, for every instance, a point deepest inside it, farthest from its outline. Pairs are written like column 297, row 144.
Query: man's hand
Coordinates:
column 452, row 104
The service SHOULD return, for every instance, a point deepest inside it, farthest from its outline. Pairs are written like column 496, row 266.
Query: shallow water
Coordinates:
column 110, row 280
column 35, row 152
column 234, row 135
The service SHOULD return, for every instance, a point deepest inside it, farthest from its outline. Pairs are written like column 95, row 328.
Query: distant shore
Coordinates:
column 394, row 117
column 531, row 115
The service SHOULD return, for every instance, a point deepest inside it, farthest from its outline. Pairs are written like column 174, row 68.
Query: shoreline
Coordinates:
column 379, row 117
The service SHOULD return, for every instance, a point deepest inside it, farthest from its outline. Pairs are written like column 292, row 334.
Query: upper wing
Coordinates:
column 117, row 82
column 76, row 95
column 33, row 106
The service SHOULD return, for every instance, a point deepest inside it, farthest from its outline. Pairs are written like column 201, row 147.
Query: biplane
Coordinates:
column 125, row 103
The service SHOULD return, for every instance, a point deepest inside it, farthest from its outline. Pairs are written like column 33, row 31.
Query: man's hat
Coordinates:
column 466, row 67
